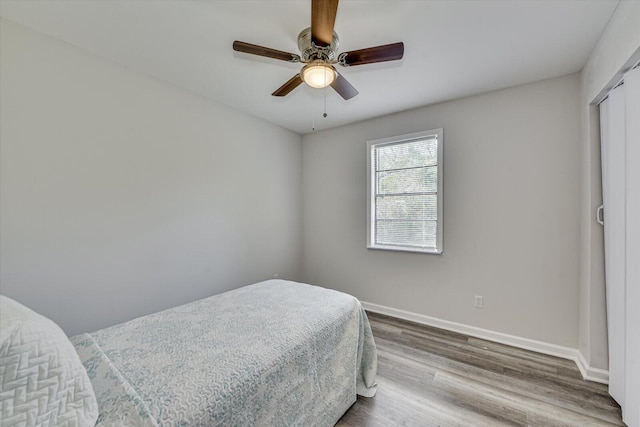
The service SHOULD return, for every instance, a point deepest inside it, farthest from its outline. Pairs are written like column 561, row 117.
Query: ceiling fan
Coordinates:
column 318, row 45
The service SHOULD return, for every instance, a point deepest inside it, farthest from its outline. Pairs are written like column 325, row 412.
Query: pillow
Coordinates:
column 42, row 381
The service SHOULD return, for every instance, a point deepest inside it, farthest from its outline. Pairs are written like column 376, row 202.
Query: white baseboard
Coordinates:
column 588, row 373
column 592, row 374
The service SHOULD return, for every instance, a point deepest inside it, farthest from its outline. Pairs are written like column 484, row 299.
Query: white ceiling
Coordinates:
column 452, row 48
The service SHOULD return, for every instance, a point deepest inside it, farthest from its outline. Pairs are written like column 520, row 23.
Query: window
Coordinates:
column 404, row 179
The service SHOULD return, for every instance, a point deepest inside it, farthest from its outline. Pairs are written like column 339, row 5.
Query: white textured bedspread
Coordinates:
column 276, row 353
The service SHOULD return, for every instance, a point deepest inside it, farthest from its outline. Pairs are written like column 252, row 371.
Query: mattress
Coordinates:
column 273, row 353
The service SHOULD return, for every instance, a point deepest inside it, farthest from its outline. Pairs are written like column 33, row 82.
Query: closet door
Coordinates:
column 612, row 128
column 631, row 410
column 620, row 138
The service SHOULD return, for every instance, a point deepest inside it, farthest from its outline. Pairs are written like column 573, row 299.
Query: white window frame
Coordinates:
column 371, row 208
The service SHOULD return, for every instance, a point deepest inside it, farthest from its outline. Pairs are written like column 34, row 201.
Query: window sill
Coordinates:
column 432, row 251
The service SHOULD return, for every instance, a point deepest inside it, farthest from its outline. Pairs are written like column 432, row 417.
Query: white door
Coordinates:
column 620, row 139
column 631, row 411
column 613, row 146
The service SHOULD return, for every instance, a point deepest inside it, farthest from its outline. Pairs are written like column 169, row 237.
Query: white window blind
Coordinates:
column 405, row 192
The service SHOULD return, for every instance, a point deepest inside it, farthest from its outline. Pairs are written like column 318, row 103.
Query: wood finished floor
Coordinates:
column 432, row 377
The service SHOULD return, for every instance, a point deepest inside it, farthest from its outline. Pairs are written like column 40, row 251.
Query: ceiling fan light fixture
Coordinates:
column 318, row 74
column 318, row 45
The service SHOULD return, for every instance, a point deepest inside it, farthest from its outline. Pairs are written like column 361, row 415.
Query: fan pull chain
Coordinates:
column 325, row 100
column 313, row 115
column 325, row 96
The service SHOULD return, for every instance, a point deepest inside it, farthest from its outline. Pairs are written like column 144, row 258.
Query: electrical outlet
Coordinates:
column 478, row 301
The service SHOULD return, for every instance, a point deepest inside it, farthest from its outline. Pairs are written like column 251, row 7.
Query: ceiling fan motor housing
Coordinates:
column 310, row 52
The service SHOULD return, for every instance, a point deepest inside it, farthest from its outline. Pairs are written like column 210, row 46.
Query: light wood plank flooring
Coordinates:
column 432, row 377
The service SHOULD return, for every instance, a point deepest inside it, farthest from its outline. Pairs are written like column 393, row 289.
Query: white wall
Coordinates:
column 121, row 195
column 617, row 44
column 511, row 209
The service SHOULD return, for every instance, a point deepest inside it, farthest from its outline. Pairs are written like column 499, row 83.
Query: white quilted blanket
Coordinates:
column 42, row 382
column 274, row 353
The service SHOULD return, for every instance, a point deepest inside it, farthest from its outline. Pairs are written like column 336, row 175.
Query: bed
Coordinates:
column 274, row 353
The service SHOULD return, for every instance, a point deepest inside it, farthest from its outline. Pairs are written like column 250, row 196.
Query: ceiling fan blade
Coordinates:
column 254, row 49
column 323, row 17
column 387, row 52
column 343, row 87
column 290, row 85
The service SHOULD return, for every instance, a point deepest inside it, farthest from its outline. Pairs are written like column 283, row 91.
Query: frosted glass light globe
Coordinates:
column 318, row 75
